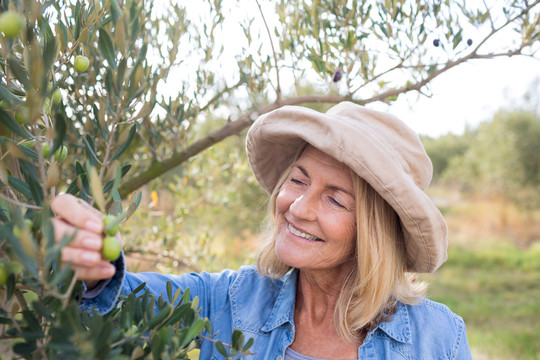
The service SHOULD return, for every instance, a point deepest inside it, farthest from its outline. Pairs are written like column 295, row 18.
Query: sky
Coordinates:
column 461, row 97
column 468, row 94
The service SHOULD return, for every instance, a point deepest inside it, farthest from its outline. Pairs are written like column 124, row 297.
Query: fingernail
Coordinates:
column 90, row 257
column 93, row 225
column 92, row 243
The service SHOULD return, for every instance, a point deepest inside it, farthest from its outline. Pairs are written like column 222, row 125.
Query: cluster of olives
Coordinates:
column 110, row 250
column 111, row 247
column 11, row 24
column 437, row 42
column 59, row 155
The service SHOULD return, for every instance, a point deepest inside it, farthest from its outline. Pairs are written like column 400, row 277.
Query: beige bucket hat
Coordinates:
column 378, row 147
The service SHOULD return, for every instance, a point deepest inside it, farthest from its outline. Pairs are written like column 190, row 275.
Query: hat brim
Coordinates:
column 370, row 146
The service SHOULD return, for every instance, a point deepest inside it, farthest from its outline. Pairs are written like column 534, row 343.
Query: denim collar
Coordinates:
column 283, row 310
column 398, row 328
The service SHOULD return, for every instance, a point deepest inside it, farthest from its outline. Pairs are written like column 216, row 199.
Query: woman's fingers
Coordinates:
column 104, row 270
column 77, row 218
column 80, row 257
column 83, row 238
column 89, row 265
column 78, row 213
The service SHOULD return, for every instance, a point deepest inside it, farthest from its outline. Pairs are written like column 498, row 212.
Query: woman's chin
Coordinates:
column 293, row 256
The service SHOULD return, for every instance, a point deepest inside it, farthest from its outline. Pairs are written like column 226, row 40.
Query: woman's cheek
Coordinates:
column 283, row 200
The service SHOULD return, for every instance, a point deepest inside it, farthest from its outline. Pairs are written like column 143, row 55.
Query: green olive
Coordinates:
column 61, row 153
column 111, row 248
column 17, row 231
column 57, row 97
column 21, row 119
column 81, row 63
column 28, row 224
column 4, row 274
column 11, row 23
column 106, row 221
column 45, row 150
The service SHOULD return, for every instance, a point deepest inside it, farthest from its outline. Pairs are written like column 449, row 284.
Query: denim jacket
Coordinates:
column 263, row 308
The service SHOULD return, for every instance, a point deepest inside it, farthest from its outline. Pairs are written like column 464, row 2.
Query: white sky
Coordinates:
column 468, row 94
column 462, row 97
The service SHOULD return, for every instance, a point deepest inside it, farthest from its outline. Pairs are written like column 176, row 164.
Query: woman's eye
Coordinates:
column 296, row 181
column 337, row 203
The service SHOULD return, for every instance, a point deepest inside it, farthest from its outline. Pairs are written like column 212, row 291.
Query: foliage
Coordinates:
column 502, row 158
column 206, row 213
column 443, row 149
column 498, row 300
column 491, row 276
column 159, row 90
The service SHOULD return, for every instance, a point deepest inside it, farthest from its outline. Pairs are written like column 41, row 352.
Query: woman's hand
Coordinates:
column 84, row 252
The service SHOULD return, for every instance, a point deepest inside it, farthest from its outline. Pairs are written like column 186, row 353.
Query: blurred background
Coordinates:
column 480, row 124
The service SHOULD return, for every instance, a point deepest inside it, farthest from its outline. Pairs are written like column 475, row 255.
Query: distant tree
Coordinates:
column 503, row 159
column 444, row 148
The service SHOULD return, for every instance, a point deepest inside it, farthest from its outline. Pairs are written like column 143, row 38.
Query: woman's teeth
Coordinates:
column 304, row 235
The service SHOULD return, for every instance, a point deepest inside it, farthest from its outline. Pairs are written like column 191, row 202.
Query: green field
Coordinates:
column 495, row 287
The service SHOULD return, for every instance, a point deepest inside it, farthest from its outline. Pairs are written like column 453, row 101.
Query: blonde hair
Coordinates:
column 372, row 288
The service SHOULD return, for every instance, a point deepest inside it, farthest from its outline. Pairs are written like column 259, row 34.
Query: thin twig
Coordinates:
column 489, row 14
column 67, row 295
column 64, row 58
column 398, row 66
column 213, row 340
column 110, row 142
column 21, row 204
column 278, row 86
column 220, row 94
column 508, row 22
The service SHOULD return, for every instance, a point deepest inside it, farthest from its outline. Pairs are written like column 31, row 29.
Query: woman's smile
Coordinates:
column 301, row 234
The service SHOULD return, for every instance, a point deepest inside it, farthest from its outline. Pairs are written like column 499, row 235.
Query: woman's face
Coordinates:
column 316, row 214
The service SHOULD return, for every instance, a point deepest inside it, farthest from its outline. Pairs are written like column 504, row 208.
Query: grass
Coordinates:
column 495, row 287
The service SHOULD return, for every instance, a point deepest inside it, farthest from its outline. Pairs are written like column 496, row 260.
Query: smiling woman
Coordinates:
column 316, row 215
column 348, row 221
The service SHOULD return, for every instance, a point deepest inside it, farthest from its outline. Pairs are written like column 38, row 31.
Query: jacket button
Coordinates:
column 279, row 357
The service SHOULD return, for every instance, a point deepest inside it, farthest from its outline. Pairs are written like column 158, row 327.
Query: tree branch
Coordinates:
column 245, row 120
column 449, row 65
column 232, row 128
column 220, row 94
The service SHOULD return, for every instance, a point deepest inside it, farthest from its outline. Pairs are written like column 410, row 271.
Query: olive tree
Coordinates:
column 102, row 97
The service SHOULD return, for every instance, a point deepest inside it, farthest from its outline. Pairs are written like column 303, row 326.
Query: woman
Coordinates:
column 348, row 221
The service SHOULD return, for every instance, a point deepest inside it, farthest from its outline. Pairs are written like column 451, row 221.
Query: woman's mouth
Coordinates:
column 301, row 234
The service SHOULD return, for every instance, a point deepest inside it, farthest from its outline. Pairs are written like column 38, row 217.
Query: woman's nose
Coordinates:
column 303, row 207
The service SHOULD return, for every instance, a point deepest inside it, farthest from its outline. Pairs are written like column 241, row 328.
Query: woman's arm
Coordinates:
column 75, row 216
